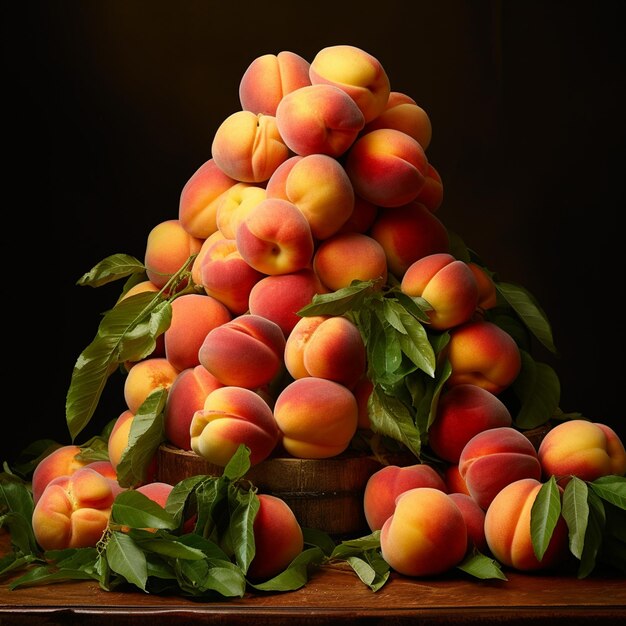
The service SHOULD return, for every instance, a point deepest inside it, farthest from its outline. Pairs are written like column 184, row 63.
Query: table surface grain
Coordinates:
column 334, row 595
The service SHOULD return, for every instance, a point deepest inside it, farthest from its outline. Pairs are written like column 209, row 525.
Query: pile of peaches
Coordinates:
column 319, row 183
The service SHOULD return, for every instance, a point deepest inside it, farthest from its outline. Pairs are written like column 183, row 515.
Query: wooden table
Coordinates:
column 334, row 595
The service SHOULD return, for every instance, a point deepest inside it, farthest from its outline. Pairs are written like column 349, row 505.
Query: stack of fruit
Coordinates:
column 307, row 301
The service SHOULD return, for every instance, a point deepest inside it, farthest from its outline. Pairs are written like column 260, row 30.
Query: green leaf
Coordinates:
column 544, row 516
column 244, row 506
column 415, row 344
column 132, row 508
column 539, row 391
column 165, row 544
column 238, row 465
column 126, row 559
column 112, row 268
column 390, row 417
column 116, row 341
column 320, row 539
column 481, row 566
column 47, row 575
column 339, row 302
column 593, row 535
column 612, row 489
column 576, row 514
column 529, row 311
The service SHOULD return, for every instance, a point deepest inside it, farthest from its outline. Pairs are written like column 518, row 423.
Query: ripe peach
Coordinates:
column 462, row 412
column 387, row 167
column 385, row 485
column 168, row 248
column 270, row 77
column 248, row 147
column 186, row 396
column 407, row 234
column 319, row 186
column 227, row 277
column 426, row 535
column 275, row 238
column 356, row 72
column 507, row 529
column 345, row 257
column 232, row 416
column 73, row 511
column 447, row 284
column 146, row 376
column 474, row 518
column 278, row 538
column 402, row 113
column 193, row 316
column 487, row 295
column 317, row 418
column 196, row 273
column 235, row 204
column 495, row 458
column 118, row 443
column 62, row 461
column 245, row 352
column 326, row 346
column 362, row 217
column 318, row 119
column 481, row 353
column 431, row 194
column 581, row 448
column 157, row 491
column 454, row 481
column 280, row 297
column 197, row 209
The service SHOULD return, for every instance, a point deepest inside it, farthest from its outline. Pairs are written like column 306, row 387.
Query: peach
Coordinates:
column 62, row 461
column 118, row 443
column 269, row 78
column 157, row 492
column 345, row 257
column 474, row 518
column 326, row 346
column 278, row 538
column 362, row 217
column 447, row 284
column 319, row 186
column 581, row 448
column 197, row 208
column 168, row 247
column 196, row 267
column 235, row 204
column 462, row 412
column 494, row 458
column 275, row 238
column 483, row 354
column 407, row 234
column 280, row 297
column 362, row 392
column 317, row 418
column 431, row 194
column 385, row 485
column 248, row 147
column 387, row 167
column 186, row 396
column 73, row 511
column 356, row 72
column 426, row 535
column 507, row 529
column 487, row 295
column 146, row 376
column 319, row 119
column 227, row 277
column 402, row 113
column 245, row 352
column 233, row 416
column 453, row 479
column 193, row 316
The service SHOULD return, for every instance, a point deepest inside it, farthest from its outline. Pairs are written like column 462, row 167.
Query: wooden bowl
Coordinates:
column 326, row 494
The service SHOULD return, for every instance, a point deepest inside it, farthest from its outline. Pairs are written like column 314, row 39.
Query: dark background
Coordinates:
column 111, row 106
